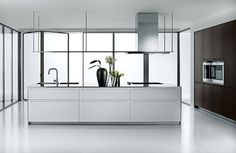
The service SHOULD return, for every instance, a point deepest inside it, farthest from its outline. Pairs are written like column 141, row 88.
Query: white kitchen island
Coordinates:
column 97, row 105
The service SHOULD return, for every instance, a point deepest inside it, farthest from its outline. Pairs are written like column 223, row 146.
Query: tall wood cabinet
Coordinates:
column 230, row 55
column 229, row 105
column 198, row 56
column 198, row 94
column 216, row 43
column 207, row 43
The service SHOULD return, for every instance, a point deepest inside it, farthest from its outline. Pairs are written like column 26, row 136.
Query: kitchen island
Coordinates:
column 160, row 104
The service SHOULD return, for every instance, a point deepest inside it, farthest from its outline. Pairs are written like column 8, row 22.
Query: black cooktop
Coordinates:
column 137, row 83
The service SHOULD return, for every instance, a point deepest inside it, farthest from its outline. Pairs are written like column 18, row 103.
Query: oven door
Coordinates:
column 207, row 72
column 217, row 74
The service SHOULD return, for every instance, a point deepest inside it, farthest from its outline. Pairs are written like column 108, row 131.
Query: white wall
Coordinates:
column 203, row 24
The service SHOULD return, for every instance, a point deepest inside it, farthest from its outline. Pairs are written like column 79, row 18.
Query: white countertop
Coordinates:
column 128, row 86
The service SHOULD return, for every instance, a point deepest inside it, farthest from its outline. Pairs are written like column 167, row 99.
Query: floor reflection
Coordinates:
column 199, row 132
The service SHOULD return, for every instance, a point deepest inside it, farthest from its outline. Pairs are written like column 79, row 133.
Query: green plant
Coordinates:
column 95, row 61
column 110, row 60
column 116, row 74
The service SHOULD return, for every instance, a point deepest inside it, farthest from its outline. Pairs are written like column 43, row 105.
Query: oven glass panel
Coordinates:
column 218, row 72
column 207, row 70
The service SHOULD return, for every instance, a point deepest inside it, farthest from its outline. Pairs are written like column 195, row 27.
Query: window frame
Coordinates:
column 84, row 51
column 12, row 73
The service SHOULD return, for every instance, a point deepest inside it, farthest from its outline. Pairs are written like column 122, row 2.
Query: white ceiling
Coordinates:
column 106, row 13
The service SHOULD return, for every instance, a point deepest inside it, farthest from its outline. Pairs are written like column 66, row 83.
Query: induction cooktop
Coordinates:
column 137, row 83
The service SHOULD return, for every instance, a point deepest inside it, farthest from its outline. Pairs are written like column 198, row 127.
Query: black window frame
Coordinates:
column 3, row 100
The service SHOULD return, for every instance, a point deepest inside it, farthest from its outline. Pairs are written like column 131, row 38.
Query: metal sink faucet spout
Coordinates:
column 56, row 80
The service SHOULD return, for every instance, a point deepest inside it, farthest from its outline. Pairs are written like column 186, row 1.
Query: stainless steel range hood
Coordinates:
column 147, row 29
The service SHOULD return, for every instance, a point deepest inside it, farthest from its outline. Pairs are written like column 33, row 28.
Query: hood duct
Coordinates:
column 147, row 29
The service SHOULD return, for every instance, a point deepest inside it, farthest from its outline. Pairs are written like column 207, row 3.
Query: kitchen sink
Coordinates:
column 47, row 83
column 54, row 84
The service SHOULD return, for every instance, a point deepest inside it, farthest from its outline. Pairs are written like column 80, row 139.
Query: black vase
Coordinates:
column 117, row 82
column 102, row 77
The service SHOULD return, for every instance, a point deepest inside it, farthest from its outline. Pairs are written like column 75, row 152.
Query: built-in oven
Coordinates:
column 213, row 72
column 206, row 66
column 217, row 73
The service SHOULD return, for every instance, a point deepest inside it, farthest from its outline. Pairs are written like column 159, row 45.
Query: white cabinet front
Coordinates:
column 104, row 105
column 104, row 93
column 53, row 111
column 104, row 110
column 155, row 93
column 155, row 111
column 53, row 93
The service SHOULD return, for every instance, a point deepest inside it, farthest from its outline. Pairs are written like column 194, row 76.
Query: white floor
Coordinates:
column 199, row 133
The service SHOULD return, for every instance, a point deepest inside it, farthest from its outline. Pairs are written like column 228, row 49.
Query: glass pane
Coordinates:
column 163, row 67
column 185, row 54
column 76, row 41
column 15, row 66
column 36, row 42
column 8, row 66
column 58, row 61
column 31, row 63
column 1, row 66
column 99, row 42
column 90, row 78
column 55, row 41
column 132, row 67
column 126, row 42
column 168, row 39
column 76, row 67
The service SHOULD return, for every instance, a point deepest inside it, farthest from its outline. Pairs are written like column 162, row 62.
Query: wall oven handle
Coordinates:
column 213, row 72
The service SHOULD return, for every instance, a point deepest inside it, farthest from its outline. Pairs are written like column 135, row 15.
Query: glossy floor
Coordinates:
column 199, row 133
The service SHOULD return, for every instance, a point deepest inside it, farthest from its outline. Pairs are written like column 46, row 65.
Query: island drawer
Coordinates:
column 155, row 93
column 155, row 111
column 53, row 111
column 53, row 93
column 102, row 93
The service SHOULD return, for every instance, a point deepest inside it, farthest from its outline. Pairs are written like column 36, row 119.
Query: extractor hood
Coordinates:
column 147, row 29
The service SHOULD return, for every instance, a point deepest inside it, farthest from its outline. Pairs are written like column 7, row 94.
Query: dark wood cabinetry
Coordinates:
column 230, row 54
column 216, row 43
column 198, row 94
column 207, row 43
column 230, row 71
column 209, row 97
column 198, row 56
column 216, row 99
column 229, row 103
column 206, row 96
column 212, row 98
